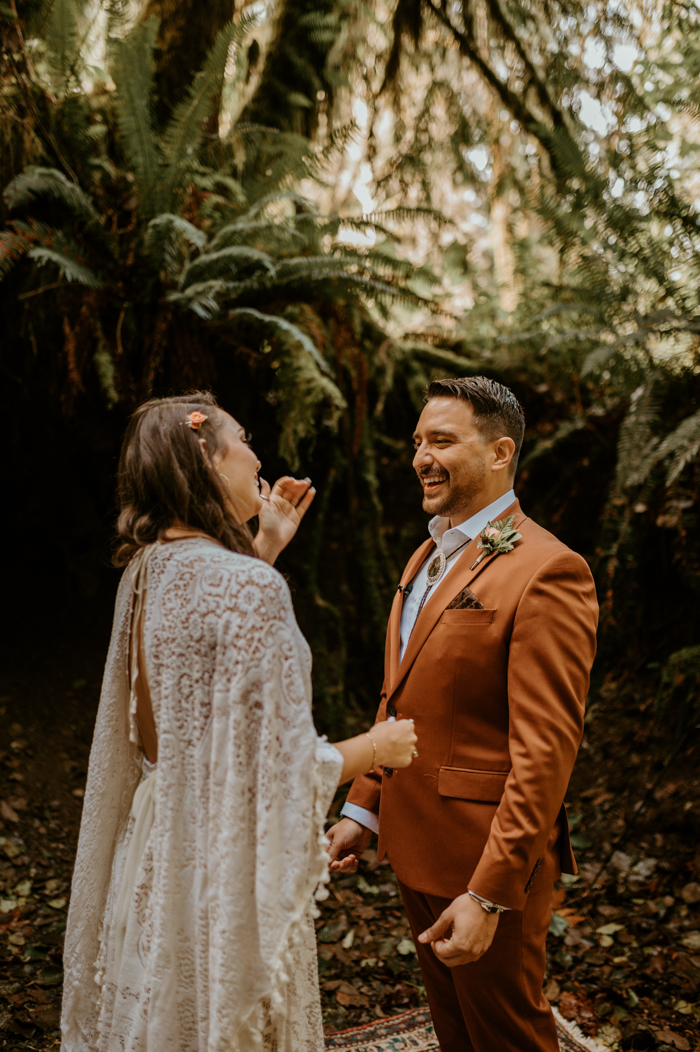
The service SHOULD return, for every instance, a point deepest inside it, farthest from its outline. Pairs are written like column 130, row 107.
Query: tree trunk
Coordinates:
column 188, row 28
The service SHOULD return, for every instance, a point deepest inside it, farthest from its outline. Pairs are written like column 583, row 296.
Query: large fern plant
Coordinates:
column 216, row 229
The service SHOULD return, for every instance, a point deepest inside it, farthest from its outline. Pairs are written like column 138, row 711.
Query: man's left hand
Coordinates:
column 283, row 508
column 462, row 933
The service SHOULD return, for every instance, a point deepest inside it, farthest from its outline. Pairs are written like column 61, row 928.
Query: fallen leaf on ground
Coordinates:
column 347, row 995
column 610, row 929
column 7, row 812
column 667, row 1037
column 691, row 893
column 609, row 1034
column 552, row 990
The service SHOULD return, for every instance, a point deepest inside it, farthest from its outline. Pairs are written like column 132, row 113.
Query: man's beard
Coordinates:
column 460, row 495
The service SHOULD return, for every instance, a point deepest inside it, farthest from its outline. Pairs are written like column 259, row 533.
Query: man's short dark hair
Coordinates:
column 497, row 411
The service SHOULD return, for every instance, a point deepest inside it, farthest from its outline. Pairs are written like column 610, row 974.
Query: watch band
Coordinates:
column 486, row 904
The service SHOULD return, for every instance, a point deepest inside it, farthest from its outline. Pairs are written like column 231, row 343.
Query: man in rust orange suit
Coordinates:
column 489, row 648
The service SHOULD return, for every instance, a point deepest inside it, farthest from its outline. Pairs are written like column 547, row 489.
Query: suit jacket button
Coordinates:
column 391, row 711
column 388, row 771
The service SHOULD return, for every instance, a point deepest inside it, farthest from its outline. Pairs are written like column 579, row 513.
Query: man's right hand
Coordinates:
column 348, row 840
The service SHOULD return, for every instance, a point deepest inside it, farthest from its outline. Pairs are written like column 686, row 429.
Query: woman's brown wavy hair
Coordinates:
column 164, row 477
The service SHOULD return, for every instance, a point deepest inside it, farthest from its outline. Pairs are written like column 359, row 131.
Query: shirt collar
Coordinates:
column 450, row 539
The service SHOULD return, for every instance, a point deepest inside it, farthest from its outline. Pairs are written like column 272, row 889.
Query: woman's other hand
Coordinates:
column 396, row 742
column 283, row 508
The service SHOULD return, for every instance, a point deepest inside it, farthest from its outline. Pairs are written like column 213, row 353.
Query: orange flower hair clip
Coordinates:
column 195, row 420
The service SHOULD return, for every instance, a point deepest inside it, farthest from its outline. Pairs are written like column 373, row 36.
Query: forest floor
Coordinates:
column 624, row 950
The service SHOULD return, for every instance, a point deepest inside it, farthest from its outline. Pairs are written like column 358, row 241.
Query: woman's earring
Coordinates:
column 224, row 477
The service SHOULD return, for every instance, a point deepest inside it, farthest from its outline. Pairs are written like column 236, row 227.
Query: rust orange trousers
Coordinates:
column 494, row 1004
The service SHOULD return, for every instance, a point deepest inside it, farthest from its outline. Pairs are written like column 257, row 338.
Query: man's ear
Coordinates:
column 504, row 451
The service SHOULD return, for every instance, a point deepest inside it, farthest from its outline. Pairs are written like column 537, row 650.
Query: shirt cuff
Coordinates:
column 362, row 815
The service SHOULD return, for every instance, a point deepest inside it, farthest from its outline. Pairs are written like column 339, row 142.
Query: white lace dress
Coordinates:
column 217, row 953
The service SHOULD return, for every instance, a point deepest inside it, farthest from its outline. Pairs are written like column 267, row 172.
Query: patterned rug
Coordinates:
column 413, row 1032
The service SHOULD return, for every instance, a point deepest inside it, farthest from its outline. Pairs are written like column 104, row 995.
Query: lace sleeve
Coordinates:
column 280, row 784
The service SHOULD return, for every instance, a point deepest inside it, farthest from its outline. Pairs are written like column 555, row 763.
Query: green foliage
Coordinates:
column 184, row 258
column 35, row 182
column 179, row 258
column 133, row 70
column 679, row 690
column 63, row 38
column 183, row 136
column 168, row 240
column 68, row 266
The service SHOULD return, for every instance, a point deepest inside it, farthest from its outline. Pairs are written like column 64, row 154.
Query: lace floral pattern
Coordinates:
column 219, row 953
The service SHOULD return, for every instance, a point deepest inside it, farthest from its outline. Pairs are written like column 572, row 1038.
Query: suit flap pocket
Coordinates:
column 486, row 786
column 470, row 616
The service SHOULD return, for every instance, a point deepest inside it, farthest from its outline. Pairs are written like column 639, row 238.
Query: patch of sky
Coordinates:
column 618, row 187
column 361, row 188
column 633, row 124
column 479, row 157
column 594, row 114
column 595, row 53
column 624, row 55
column 641, row 203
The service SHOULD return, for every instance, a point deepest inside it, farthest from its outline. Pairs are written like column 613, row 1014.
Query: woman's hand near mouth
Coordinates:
column 283, row 508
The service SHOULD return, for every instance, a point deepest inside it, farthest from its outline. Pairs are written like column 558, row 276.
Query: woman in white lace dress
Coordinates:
column 201, row 846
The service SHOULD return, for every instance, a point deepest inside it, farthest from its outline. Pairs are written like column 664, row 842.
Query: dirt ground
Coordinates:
column 624, row 949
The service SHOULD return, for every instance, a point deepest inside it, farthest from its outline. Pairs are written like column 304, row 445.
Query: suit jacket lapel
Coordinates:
column 457, row 579
column 393, row 650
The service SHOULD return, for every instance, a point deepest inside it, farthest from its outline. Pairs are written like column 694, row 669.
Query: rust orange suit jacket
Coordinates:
column 498, row 698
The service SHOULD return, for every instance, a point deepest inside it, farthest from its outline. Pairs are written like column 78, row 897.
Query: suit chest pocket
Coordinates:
column 468, row 617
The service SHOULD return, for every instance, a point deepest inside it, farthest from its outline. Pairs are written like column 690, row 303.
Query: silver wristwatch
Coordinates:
column 486, row 904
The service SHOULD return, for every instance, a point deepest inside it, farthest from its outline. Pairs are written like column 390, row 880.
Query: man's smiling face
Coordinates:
column 451, row 459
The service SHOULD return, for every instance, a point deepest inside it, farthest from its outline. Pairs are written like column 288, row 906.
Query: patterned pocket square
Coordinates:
column 466, row 600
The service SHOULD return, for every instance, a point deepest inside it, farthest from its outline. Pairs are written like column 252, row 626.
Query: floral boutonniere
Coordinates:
column 497, row 538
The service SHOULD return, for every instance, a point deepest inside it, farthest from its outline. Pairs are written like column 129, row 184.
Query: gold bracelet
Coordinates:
column 374, row 750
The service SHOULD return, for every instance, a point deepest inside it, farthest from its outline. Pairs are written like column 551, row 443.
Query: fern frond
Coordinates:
column 164, row 241
column 601, row 356
column 183, row 135
column 219, row 181
column 106, row 371
column 304, row 383
column 213, row 265
column 290, row 330
column 326, row 160
column 262, row 203
column 681, row 447
column 374, row 260
column 546, row 445
column 35, row 182
column 325, row 279
column 400, row 215
column 63, row 39
column 202, row 298
column 68, row 266
column 13, row 246
column 438, row 356
column 261, row 230
column 637, row 439
column 133, row 72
